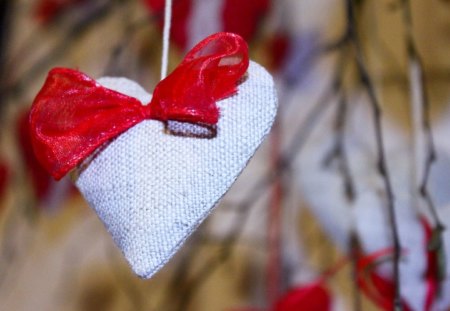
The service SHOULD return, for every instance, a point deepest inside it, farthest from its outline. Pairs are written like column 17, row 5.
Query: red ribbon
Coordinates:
column 73, row 115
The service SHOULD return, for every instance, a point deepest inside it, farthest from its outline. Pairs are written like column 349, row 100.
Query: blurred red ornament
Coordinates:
column 314, row 296
column 278, row 47
column 243, row 17
column 47, row 10
column 4, row 178
column 181, row 10
column 376, row 287
column 237, row 16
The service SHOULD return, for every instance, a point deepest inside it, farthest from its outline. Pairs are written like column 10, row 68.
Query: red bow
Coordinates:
column 73, row 115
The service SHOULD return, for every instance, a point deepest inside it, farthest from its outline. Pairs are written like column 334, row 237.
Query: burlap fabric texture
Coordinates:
column 153, row 185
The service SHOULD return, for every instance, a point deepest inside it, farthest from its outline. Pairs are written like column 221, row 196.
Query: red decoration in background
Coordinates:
column 73, row 115
column 47, row 10
column 40, row 179
column 311, row 296
column 314, row 296
column 278, row 48
column 377, row 288
column 238, row 16
column 243, row 17
column 181, row 11
column 4, row 178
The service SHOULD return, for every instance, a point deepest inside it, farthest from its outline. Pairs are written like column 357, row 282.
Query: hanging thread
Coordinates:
column 166, row 38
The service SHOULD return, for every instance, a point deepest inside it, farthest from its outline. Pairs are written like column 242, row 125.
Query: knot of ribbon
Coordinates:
column 73, row 115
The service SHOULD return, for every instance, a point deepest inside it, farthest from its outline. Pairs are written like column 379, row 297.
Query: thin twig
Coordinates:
column 355, row 251
column 415, row 59
column 381, row 162
column 349, row 191
column 5, row 24
column 418, row 76
column 338, row 153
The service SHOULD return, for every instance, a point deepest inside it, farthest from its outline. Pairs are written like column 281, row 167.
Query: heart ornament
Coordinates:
column 153, row 177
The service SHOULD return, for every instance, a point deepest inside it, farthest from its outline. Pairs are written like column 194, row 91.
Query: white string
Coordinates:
column 166, row 38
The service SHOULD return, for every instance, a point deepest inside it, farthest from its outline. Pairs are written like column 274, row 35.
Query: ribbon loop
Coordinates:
column 73, row 115
column 208, row 73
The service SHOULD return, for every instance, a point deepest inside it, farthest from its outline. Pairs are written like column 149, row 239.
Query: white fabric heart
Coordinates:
column 152, row 189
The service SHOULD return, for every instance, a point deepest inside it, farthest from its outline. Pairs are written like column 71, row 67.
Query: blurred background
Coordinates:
column 344, row 207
